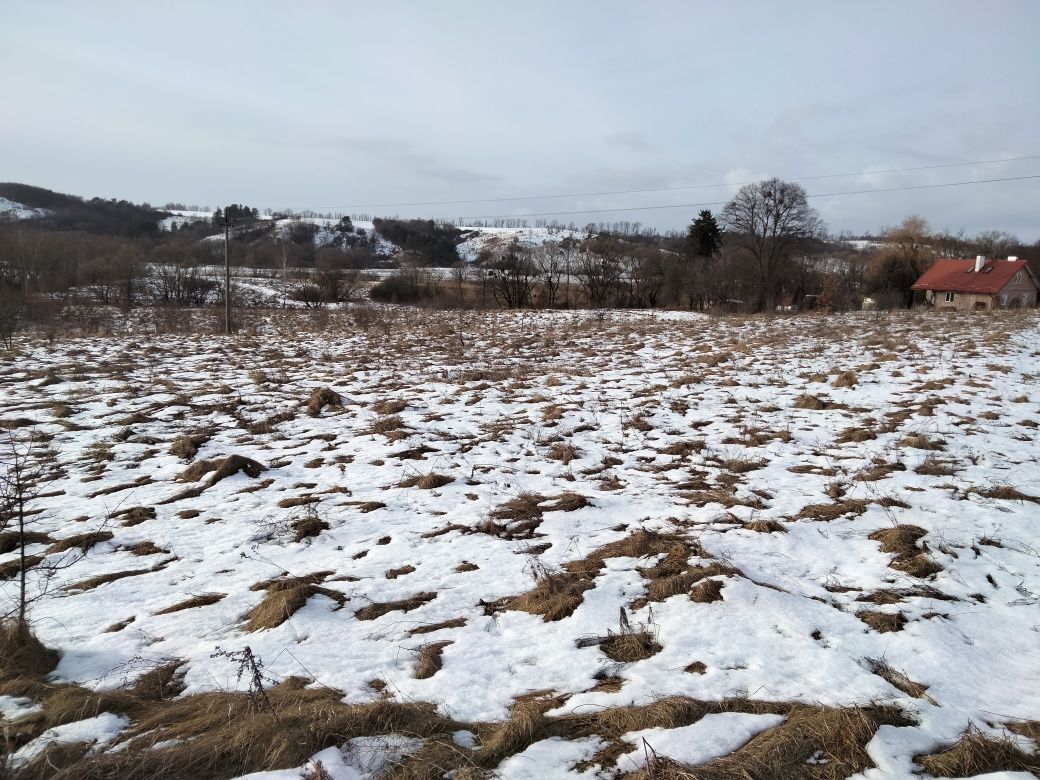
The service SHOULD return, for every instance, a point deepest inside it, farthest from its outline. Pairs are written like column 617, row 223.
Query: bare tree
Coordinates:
column 550, row 259
column 513, row 276
column 767, row 221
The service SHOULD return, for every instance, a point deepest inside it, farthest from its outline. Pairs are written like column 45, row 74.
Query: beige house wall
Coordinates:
column 1021, row 293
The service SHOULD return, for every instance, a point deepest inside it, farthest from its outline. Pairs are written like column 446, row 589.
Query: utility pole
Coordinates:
column 227, row 275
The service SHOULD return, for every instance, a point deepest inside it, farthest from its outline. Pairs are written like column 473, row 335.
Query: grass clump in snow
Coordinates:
column 976, row 753
column 320, row 398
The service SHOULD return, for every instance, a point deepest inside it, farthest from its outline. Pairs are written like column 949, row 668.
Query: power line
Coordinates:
column 817, row 177
column 722, row 202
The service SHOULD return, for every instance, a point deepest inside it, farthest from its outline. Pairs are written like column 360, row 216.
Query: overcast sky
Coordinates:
column 341, row 106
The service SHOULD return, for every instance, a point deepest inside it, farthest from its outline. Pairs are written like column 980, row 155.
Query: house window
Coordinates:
column 1018, row 278
column 949, row 297
column 1025, row 299
column 1004, row 300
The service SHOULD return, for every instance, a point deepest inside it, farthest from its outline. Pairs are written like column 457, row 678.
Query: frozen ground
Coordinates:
column 829, row 511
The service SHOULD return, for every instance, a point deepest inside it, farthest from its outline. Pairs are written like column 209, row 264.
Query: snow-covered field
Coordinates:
column 555, row 520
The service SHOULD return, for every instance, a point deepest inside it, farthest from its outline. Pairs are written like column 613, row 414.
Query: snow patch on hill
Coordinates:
column 13, row 210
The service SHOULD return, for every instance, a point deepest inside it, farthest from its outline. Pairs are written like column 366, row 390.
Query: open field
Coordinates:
column 532, row 545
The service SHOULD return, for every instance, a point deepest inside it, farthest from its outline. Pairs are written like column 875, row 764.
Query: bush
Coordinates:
column 408, row 285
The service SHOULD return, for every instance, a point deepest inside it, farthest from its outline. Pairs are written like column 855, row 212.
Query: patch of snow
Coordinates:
column 710, row 737
column 99, row 730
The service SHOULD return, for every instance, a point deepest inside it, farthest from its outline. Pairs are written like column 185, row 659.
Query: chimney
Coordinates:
column 1012, row 258
column 980, row 260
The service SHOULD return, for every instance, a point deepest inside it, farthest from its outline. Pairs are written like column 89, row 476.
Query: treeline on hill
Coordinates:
column 435, row 244
column 97, row 215
column 766, row 250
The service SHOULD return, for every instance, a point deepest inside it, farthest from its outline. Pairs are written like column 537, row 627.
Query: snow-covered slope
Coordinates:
column 495, row 239
column 9, row 209
column 833, row 512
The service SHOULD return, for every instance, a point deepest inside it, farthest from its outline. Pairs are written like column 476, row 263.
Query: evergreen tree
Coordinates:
column 704, row 237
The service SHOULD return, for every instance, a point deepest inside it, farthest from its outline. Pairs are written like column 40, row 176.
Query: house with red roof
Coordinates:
column 977, row 284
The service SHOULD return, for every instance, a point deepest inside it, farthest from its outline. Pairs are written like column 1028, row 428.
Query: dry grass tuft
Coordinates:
column 320, row 398
column 554, row 596
column 22, row 654
column 187, row 446
column 9, row 540
column 429, row 481
column 429, row 628
column 103, row 579
column 919, row 441
column 307, row 526
column 813, row 402
column 836, row 738
column 428, row 661
column 707, row 591
column 393, row 574
column 285, row 597
column 827, row 512
column 389, row 406
column 846, row 379
column 936, row 467
column 82, row 542
column 136, row 515
column 203, row 600
column 379, row 608
column 563, row 452
column 882, row 622
column 902, row 542
column 898, row 679
column 221, row 469
column 1004, row 493
column 976, row 753
column 765, row 526
column 629, row 648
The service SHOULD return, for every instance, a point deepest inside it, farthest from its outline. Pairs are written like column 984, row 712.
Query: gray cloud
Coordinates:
column 335, row 105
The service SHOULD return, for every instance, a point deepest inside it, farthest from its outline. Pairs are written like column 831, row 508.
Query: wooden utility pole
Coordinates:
column 227, row 275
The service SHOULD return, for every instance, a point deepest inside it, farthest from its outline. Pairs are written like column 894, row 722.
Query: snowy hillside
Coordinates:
column 9, row 209
column 494, row 239
column 546, row 545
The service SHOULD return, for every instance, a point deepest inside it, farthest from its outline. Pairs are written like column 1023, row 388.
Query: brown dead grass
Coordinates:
column 202, row 600
column 563, row 452
column 898, row 679
column 379, row 608
column 22, row 654
column 901, row 541
column 838, row 736
column 81, row 542
column 976, row 753
column 103, row 579
column 187, row 446
column 631, row 647
column 308, row 526
column 284, row 597
column 428, row 661
column 765, row 526
column 825, row 513
column 10, row 540
column 1004, row 493
column 919, row 441
column 812, row 402
column 882, row 622
column 707, row 591
column 389, row 406
column 222, row 468
column 429, row 481
column 846, row 379
column 320, row 398
column 429, row 628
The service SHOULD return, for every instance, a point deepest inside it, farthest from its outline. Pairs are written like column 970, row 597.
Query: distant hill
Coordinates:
column 58, row 211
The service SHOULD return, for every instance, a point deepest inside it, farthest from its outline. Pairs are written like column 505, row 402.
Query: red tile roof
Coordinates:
column 960, row 276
